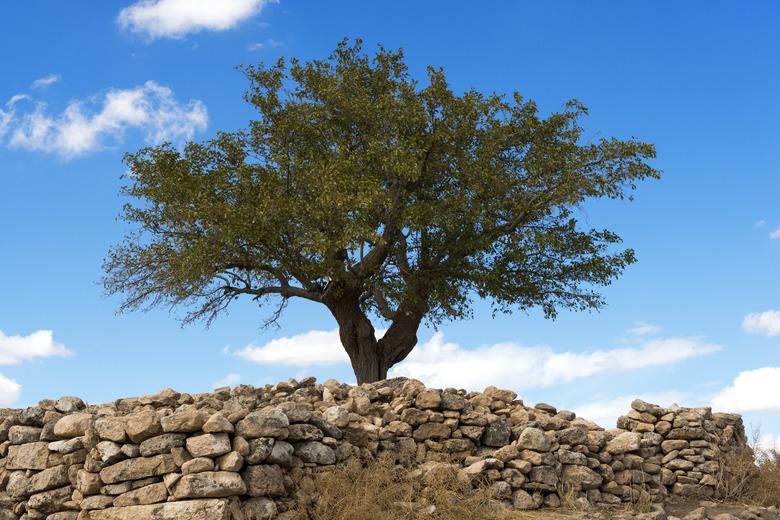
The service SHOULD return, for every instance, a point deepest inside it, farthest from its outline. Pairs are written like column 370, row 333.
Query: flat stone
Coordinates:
column 209, row 484
column 304, row 432
column 580, row 478
column 24, row 434
column 432, row 431
column 96, row 502
column 49, row 479
column 50, row 501
column 209, row 445
column 428, row 399
column 151, row 494
column 232, row 461
column 138, row 468
column 67, row 446
column 259, row 508
column 28, row 456
column 162, row 444
column 185, row 510
column 197, row 465
column 73, row 425
column 497, row 434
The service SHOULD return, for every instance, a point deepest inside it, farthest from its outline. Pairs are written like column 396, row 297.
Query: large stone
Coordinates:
column 151, row 494
column 213, row 509
column 50, row 501
column 304, row 432
column 142, row 425
column 268, row 422
column 218, row 423
column 138, row 468
column 281, row 454
column 497, row 434
column 533, row 439
column 24, row 434
column 69, row 404
column 264, row 481
column 624, row 442
column 580, row 478
column 209, row 484
column 316, row 452
column 109, row 452
column 337, row 416
column 506, row 396
column 49, row 479
column 197, row 465
column 185, row 420
column 28, row 456
column 73, row 425
column 88, row 483
column 111, row 429
column 428, row 399
column 209, row 445
column 67, row 446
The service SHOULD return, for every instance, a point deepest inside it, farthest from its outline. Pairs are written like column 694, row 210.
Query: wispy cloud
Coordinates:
column 177, row 18
column 101, row 121
column 751, row 390
column 760, row 223
column 766, row 323
column 442, row 364
column 231, row 379
column 42, row 83
column 775, row 234
column 644, row 329
column 268, row 44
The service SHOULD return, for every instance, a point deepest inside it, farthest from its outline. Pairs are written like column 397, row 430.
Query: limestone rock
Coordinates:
column 209, row 445
column 185, row 420
column 138, row 468
column 73, row 425
column 264, row 480
column 151, row 494
column 209, row 484
column 142, row 425
column 269, row 422
column 185, row 510
column 316, row 452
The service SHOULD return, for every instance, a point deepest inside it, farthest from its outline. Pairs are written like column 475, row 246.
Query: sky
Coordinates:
column 696, row 321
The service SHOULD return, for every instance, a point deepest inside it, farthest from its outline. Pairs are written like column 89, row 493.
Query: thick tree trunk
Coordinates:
column 371, row 359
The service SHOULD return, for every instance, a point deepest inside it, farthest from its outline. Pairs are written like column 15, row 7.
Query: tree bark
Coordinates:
column 371, row 358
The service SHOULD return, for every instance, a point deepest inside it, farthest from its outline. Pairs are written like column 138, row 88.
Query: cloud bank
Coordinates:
column 751, row 390
column 177, row 18
column 18, row 349
column 440, row 363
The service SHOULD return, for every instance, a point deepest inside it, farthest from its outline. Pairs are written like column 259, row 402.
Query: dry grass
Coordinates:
column 383, row 491
column 751, row 475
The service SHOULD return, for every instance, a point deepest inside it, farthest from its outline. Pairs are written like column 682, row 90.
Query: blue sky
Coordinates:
column 695, row 321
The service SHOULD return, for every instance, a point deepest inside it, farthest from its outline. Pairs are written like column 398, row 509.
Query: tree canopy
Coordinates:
column 361, row 189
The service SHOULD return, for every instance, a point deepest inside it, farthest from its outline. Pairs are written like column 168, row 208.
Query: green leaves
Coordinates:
column 354, row 176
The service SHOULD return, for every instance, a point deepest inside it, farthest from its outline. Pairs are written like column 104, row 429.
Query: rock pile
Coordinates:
column 238, row 453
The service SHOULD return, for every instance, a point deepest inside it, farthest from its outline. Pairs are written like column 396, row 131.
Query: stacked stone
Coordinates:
column 238, row 453
column 692, row 444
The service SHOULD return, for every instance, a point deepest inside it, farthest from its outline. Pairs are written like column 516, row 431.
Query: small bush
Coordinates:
column 751, row 475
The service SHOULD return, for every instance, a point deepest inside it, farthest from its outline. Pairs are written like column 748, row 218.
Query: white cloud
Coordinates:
column 768, row 442
column 177, row 18
column 45, row 82
column 442, row 364
column 231, row 379
column 644, row 329
column 765, row 323
column 268, row 44
column 15, row 99
column 151, row 108
column 605, row 412
column 760, row 223
column 316, row 347
column 15, row 349
column 10, row 391
column 5, row 121
column 775, row 234
column 751, row 390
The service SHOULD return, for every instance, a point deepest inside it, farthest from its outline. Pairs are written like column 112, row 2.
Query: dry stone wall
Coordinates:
column 238, row 453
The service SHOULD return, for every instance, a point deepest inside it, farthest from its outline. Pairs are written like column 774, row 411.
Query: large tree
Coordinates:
column 362, row 190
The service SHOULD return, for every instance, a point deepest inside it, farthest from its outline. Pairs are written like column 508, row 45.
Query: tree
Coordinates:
column 359, row 189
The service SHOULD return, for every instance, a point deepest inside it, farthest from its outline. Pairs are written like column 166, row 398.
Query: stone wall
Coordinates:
column 237, row 453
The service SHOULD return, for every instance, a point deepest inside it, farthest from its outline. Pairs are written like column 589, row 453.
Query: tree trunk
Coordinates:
column 371, row 359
